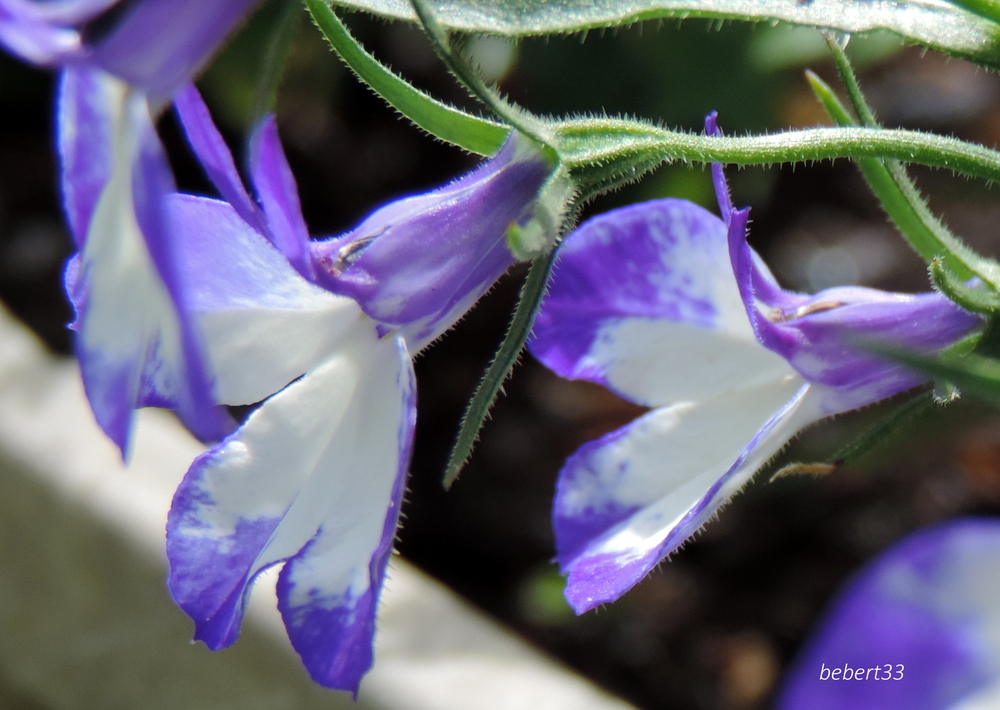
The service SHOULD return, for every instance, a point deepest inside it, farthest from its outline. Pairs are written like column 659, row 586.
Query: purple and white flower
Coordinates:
column 122, row 61
column 668, row 306
column 916, row 629
column 324, row 332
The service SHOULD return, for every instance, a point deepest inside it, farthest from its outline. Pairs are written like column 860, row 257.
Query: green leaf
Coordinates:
column 242, row 81
column 871, row 438
column 450, row 124
column 898, row 419
column 944, row 26
column 975, row 375
column 989, row 9
column 272, row 63
column 837, row 111
column 499, row 369
column 986, row 343
column 899, row 196
column 866, row 116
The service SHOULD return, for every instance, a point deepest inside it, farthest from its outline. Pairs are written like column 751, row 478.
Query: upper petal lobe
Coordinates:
column 643, row 300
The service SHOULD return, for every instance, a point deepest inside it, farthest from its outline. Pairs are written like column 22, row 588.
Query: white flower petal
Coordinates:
column 629, row 499
column 643, row 300
column 263, row 324
column 656, row 361
column 316, row 470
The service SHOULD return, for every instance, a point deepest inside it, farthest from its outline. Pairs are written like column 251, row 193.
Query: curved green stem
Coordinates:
column 450, row 124
column 898, row 194
column 521, row 120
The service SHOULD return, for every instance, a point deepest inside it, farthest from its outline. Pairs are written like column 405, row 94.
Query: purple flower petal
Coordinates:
column 328, row 596
column 764, row 287
column 819, row 335
column 626, row 501
column 62, row 12
column 314, row 478
column 155, row 45
column 179, row 370
column 924, row 323
column 158, row 45
column 643, row 301
column 45, row 32
column 925, row 615
column 309, row 477
column 718, row 174
column 275, row 185
column 263, row 324
column 133, row 336
column 214, row 155
column 87, row 100
column 422, row 262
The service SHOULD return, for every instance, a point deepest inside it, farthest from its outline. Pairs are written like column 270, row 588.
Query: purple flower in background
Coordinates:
column 916, row 629
column 668, row 306
column 154, row 46
column 121, row 63
column 314, row 477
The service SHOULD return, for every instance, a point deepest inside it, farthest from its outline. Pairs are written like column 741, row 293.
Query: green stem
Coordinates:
column 585, row 142
column 894, row 188
column 475, row 134
column 865, row 115
column 499, row 369
column 954, row 287
column 521, row 120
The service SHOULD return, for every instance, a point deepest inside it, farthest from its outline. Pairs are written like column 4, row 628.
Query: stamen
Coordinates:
column 806, row 469
column 346, row 255
column 776, row 315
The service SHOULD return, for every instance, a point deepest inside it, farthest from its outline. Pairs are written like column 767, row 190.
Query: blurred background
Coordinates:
column 716, row 626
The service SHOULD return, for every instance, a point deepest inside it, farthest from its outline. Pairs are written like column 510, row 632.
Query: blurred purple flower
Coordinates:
column 916, row 629
column 154, row 46
column 314, row 477
column 668, row 306
column 121, row 63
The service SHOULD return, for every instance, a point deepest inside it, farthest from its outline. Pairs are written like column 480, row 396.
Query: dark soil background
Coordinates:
column 717, row 625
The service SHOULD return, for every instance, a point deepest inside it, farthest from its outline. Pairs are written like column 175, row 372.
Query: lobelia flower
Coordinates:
column 121, row 63
column 667, row 305
column 324, row 332
column 919, row 627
